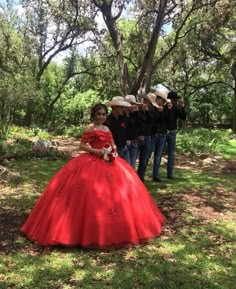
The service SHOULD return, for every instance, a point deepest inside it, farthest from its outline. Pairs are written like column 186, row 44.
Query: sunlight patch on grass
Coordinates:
column 195, row 254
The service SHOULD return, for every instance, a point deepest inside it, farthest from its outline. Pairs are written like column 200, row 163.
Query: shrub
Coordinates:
column 201, row 140
column 22, row 133
column 26, row 149
column 3, row 147
column 75, row 131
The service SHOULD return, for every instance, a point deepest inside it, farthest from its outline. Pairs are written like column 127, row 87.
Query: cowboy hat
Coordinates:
column 173, row 95
column 131, row 99
column 152, row 98
column 118, row 101
column 161, row 93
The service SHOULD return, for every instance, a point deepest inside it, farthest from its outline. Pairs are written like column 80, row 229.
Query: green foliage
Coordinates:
column 3, row 147
column 199, row 67
column 22, row 146
column 4, row 127
column 202, row 140
column 25, row 149
column 81, row 103
column 75, row 131
column 17, row 132
column 228, row 150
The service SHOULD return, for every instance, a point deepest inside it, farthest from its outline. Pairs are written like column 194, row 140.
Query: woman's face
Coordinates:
column 100, row 116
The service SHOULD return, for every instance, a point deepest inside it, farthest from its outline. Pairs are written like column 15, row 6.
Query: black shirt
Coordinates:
column 160, row 121
column 173, row 114
column 134, row 125
column 146, row 122
column 118, row 128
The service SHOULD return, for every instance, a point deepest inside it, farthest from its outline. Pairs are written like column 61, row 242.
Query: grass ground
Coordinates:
column 195, row 251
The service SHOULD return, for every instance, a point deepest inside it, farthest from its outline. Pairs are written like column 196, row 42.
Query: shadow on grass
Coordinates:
column 189, row 262
column 189, row 254
column 36, row 171
column 18, row 198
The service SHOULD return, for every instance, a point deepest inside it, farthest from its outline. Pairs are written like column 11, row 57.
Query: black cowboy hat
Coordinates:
column 173, row 95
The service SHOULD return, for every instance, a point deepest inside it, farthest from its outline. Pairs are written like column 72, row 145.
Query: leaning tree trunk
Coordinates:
column 116, row 37
column 234, row 107
column 123, row 70
column 233, row 72
column 145, row 72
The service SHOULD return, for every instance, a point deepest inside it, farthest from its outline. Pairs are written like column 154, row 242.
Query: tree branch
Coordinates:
column 60, row 49
column 61, row 89
column 130, row 60
column 208, row 84
column 119, row 13
column 177, row 37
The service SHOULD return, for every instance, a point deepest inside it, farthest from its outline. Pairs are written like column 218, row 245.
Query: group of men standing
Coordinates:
column 143, row 127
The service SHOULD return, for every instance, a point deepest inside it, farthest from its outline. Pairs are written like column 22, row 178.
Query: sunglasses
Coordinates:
column 101, row 113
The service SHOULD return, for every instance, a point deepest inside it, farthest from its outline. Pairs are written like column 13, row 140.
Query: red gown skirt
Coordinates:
column 94, row 204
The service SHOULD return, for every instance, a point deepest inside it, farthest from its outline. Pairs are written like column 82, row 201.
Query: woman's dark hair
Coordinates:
column 96, row 108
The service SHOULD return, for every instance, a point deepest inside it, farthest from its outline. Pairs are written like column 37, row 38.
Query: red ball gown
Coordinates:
column 95, row 204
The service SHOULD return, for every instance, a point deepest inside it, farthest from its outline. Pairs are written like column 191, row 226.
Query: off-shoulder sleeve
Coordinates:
column 87, row 137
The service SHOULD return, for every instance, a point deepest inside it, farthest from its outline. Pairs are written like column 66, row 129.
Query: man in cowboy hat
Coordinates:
column 117, row 124
column 134, row 125
column 175, row 110
column 148, row 120
column 156, row 140
column 159, row 130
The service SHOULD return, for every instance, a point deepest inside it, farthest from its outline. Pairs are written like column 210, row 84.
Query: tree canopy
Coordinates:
column 59, row 57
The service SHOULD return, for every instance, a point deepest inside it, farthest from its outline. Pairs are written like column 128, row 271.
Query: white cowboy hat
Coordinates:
column 161, row 93
column 161, row 87
column 118, row 101
column 152, row 98
column 131, row 99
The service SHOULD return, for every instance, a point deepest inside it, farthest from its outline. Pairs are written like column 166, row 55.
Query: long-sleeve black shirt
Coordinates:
column 172, row 115
column 160, row 121
column 147, row 118
column 118, row 128
column 134, row 125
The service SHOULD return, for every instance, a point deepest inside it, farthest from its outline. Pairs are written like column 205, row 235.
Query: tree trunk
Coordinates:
column 48, row 113
column 233, row 73
column 29, row 113
column 148, row 58
column 116, row 37
column 234, row 107
column 106, row 9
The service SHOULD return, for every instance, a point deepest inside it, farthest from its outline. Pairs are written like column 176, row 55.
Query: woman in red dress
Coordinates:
column 96, row 200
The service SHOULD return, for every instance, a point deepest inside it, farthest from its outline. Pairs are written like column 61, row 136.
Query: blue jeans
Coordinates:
column 124, row 153
column 159, row 146
column 145, row 151
column 171, row 143
column 133, row 152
